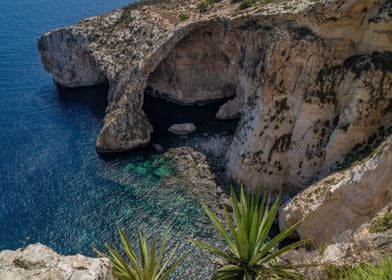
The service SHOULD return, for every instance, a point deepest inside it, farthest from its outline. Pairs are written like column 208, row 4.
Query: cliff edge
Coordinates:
column 312, row 78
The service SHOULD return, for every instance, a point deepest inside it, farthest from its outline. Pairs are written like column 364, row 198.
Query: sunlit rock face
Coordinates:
column 344, row 200
column 317, row 116
column 37, row 261
column 63, row 55
column 312, row 78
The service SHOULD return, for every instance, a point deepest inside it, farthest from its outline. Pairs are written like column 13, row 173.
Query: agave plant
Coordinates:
column 250, row 253
column 152, row 265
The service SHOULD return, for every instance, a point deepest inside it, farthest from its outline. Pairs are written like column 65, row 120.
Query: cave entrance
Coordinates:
column 95, row 98
column 162, row 113
column 199, row 75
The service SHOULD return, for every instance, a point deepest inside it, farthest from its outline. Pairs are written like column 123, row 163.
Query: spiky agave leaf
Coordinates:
column 250, row 253
column 152, row 264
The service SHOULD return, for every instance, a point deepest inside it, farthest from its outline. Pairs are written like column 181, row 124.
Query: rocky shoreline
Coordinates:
column 311, row 80
column 294, row 69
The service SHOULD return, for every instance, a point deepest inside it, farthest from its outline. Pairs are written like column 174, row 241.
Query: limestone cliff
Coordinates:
column 313, row 77
column 344, row 200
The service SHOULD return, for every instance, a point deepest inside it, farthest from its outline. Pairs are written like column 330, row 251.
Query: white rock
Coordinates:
column 182, row 128
column 38, row 262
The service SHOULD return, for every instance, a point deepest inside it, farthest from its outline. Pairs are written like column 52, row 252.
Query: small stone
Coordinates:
column 182, row 128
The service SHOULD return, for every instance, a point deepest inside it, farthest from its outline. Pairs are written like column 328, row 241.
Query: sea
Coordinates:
column 54, row 187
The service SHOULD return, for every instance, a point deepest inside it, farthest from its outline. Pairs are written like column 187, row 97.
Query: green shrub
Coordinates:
column 382, row 223
column 250, row 254
column 382, row 271
column 151, row 266
column 203, row 6
column 183, row 17
column 246, row 4
column 206, row 4
column 126, row 17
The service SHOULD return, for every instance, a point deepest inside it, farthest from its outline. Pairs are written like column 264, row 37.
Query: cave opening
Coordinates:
column 198, row 82
column 163, row 113
column 95, row 98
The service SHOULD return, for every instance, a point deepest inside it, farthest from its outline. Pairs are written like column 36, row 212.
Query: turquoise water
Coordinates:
column 54, row 188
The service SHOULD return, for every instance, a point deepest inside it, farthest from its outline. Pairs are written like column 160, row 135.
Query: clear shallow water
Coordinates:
column 54, row 188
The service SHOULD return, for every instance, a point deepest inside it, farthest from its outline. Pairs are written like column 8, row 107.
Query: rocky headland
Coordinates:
column 311, row 81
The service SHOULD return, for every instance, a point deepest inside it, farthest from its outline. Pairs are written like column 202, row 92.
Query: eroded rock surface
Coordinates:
column 343, row 201
column 196, row 174
column 352, row 248
column 37, row 262
column 314, row 77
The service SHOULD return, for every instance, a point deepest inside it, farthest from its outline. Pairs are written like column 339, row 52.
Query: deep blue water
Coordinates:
column 54, row 188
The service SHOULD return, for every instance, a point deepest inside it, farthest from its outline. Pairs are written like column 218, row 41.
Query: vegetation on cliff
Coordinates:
column 383, row 270
column 250, row 254
column 151, row 266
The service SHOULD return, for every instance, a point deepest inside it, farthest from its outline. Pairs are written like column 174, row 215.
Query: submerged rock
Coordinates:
column 182, row 128
column 36, row 262
column 157, row 147
column 195, row 173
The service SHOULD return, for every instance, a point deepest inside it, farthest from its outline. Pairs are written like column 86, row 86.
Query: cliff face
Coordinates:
column 344, row 200
column 312, row 79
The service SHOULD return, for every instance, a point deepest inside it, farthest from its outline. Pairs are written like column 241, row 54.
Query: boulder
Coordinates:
column 38, row 261
column 182, row 128
column 344, row 200
column 230, row 110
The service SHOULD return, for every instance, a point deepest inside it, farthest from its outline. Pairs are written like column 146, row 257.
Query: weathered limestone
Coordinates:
column 196, row 70
column 353, row 247
column 314, row 77
column 344, row 200
column 230, row 110
column 37, row 262
column 70, row 64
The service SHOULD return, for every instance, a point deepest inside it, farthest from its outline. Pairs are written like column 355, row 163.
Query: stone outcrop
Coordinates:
column 314, row 77
column 343, row 201
column 230, row 110
column 37, row 261
column 352, row 248
column 195, row 173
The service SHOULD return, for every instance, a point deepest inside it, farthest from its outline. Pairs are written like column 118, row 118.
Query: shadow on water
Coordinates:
column 95, row 97
column 162, row 114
